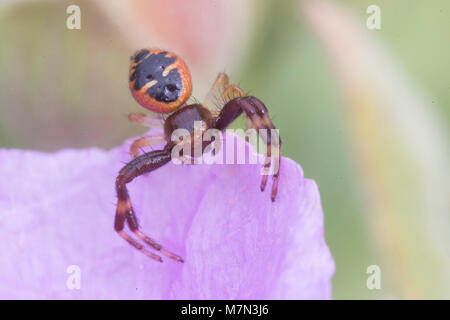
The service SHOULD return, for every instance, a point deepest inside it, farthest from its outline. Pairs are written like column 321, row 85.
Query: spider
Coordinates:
column 161, row 82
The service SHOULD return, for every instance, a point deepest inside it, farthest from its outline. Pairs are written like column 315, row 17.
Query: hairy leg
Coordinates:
column 124, row 212
column 146, row 141
column 145, row 120
column 231, row 92
column 219, row 85
column 257, row 112
column 221, row 92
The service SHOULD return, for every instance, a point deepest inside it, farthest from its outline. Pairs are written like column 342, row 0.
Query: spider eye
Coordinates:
column 159, row 80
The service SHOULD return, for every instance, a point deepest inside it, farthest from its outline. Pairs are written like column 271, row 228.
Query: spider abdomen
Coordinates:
column 159, row 80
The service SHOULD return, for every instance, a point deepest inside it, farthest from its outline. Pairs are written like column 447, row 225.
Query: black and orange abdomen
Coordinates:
column 159, row 80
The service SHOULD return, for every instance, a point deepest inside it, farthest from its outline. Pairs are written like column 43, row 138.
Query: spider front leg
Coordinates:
column 217, row 88
column 221, row 92
column 145, row 120
column 138, row 166
column 145, row 141
column 257, row 112
column 231, row 92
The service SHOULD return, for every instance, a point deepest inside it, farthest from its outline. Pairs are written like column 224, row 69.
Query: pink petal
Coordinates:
column 58, row 210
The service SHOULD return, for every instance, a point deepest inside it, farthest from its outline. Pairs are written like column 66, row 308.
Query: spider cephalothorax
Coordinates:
column 160, row 81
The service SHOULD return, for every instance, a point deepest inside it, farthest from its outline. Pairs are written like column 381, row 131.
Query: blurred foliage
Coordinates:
column 61, row 88
column 58, row 87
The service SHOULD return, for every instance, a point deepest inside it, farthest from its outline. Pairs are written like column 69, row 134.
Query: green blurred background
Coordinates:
column 63, row 88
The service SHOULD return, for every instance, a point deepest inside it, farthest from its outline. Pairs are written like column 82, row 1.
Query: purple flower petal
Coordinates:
column 57, row 210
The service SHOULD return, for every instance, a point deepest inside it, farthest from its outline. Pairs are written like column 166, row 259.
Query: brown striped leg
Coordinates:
column 257, row 112
column 124, row 212
column 220, row 93
column 231, row 92
column 270, row 141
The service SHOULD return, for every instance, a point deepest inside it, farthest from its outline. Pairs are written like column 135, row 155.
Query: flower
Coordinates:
column 57, row 213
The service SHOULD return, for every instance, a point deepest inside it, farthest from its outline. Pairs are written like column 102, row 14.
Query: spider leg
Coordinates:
column 219, row 86
column 145, row 141
column 259, row 116
column 124, row 212
column 231, row 92
column 145, row 120
column 220, row 93
column 249, row 125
